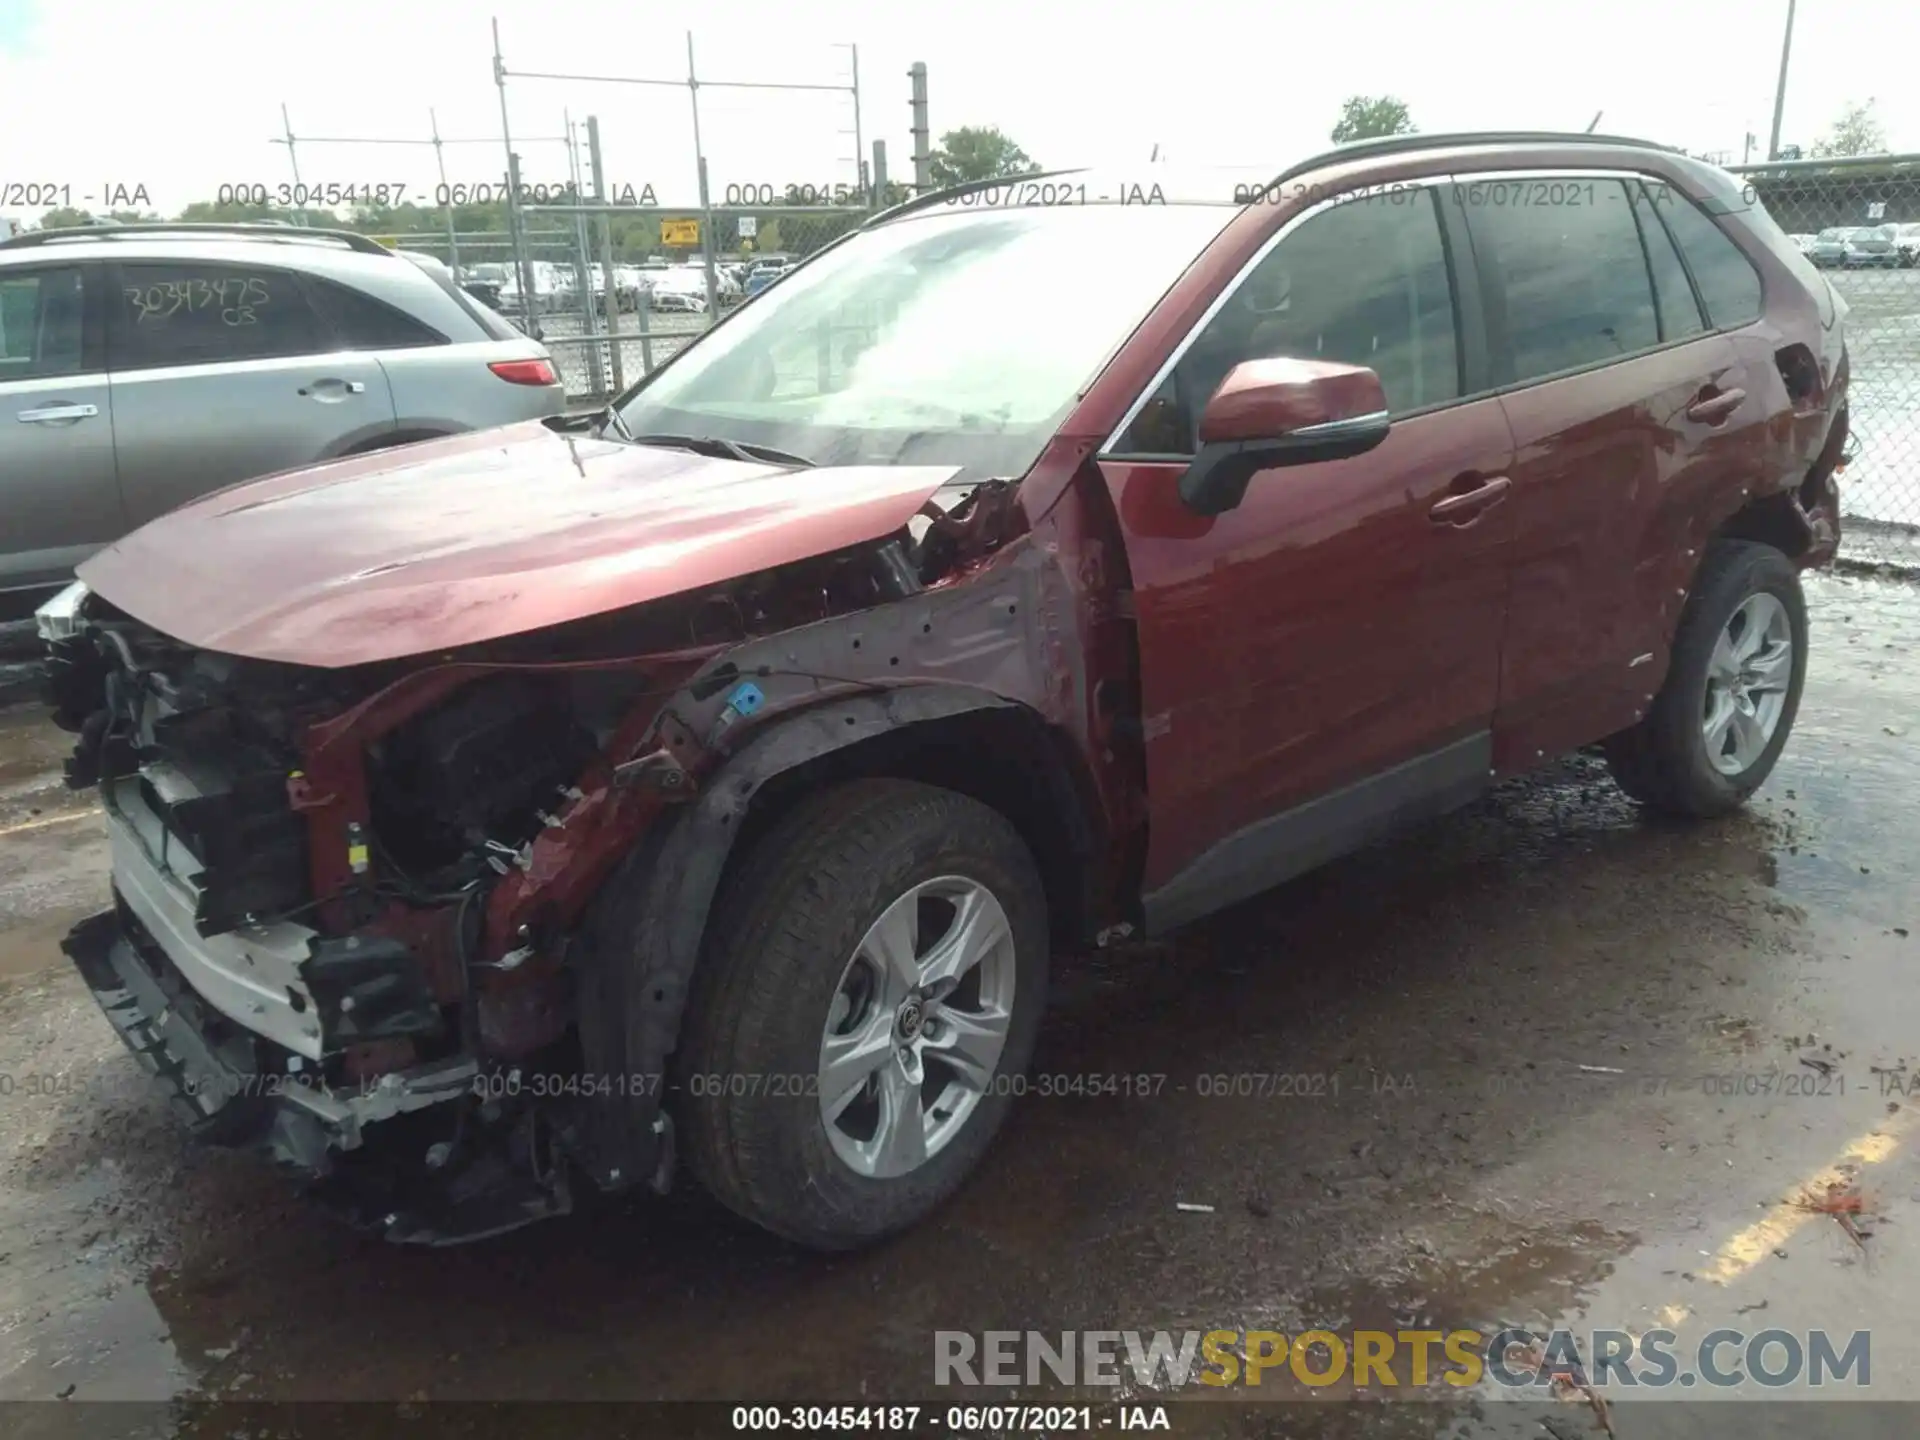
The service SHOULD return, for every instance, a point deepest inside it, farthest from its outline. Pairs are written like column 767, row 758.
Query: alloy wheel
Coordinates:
column 915, row 1029
column 1748, row 676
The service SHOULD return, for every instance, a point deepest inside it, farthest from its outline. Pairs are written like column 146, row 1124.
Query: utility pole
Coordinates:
column 1780, row 92
column 922, row 150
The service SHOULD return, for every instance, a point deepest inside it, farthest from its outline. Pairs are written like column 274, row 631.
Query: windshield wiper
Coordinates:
column 611, row 416
column 724, row 449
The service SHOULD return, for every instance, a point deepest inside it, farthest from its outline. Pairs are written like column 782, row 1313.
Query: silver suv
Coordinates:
column 142, row 365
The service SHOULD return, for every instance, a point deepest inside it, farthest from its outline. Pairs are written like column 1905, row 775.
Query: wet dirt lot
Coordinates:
column 1541, row 1062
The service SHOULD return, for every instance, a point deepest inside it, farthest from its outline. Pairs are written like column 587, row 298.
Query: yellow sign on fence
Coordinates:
column 679, row 232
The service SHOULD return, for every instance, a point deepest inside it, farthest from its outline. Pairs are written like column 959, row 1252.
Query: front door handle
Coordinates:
column 332, row 388
column 1714, row 409
column 55, row 413
column 1466, row 507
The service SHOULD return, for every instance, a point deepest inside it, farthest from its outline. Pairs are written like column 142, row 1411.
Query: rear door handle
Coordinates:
column 52, row 414
column 1464, row 508
column 1715, row 408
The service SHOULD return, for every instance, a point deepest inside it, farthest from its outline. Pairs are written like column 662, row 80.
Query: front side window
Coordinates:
column 958, row 336
column 1728, row 283
column 193, row 313
column 40, row 323
column 1364, row 281
column 1575, row 285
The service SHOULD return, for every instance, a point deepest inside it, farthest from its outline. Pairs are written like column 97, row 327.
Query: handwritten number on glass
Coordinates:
column 237, row 300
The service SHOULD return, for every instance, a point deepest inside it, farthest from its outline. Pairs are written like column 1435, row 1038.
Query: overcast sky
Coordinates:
column 183, row 95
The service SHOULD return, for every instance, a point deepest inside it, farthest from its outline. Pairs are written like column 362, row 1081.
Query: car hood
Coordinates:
column 479, row 536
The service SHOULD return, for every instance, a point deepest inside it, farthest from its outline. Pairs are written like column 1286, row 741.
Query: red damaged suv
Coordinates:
column 512, row 816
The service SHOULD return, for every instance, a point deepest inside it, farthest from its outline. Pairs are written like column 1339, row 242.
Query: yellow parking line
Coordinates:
column 1760, row 1239
column 45, row 820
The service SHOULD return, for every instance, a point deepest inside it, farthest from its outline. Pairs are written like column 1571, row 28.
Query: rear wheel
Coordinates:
column 876, row 973
column 1719, row 723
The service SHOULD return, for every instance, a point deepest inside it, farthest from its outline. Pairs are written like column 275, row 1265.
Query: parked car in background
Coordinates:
column 1869, row 246
column 631, row 285
column 685, row 284
column 1829, row 248
column 142, row 365
column 496, row 285
column 444, row 274
column 487, row 292
column 557, row 286
column 709, row 784
column 1906, row 240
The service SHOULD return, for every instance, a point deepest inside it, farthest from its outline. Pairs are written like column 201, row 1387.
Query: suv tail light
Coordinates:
column 525, row 372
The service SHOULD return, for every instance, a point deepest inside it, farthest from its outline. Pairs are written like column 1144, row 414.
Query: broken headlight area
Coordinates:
column 299, row 943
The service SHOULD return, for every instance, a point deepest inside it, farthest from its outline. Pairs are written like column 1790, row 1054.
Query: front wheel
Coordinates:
column 1719, row 723
column 874, row 981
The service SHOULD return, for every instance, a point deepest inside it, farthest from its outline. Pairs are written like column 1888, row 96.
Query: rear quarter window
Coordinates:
column 361, row 322
column 1728, row 283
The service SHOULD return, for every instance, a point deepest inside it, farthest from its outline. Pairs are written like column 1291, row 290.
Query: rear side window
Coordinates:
column 1673, row 293
column 1574, row 277
column 361, row 322
column 193, row 313
column 41, row 318
column 1728, row 283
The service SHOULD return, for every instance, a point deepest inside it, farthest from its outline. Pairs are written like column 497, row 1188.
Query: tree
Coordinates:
column 1858, row 131
column 978, row 152
column 65, row 218
column 1365, row 116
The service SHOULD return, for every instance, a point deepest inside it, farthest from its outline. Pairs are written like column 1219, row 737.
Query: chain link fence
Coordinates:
column 1858, row 220
column 661, row 297
column 664, row 301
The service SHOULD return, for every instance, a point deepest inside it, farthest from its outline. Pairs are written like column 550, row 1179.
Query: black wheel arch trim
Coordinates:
column 641, row 948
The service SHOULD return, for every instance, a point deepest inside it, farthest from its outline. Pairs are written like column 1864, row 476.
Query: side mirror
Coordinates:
column 1280, row 412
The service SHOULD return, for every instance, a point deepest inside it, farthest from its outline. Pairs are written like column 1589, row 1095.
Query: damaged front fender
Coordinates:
column 643, row 941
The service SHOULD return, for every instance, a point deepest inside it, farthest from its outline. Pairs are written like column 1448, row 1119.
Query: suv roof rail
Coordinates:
column 1381, row 145
column 1400, row 144
column 270, row 230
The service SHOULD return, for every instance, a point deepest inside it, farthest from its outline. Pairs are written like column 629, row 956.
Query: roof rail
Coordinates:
column 1382, row 145
column 1400, row 144
column 248, row 230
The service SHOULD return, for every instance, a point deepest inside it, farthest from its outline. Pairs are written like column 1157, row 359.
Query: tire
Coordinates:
column 779, row 967
column 1665, row 762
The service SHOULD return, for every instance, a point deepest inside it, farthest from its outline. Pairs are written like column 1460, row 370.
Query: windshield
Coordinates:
column 957, row 337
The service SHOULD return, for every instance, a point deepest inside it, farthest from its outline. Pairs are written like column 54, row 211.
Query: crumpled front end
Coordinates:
column 354, row 914
column 270, row 955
